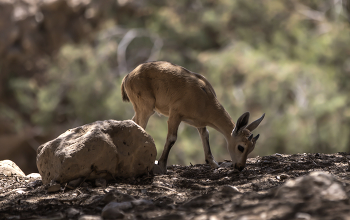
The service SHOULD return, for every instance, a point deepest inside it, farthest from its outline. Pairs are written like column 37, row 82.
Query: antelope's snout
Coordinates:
column 239, row 167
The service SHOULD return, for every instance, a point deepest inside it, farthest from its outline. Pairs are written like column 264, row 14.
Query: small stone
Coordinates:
column 90, row 217
column 118, row 205
column 109, row 197
column 231, row 172
column 113, row 210
column 229, row 189
column 100, row 182
column 34, row 176
column 284, row 176
column 54, row 188
column 213, row 217
column 201, row 217
column 20, row 190
column 72, row 212
column 141, row 202
column 303, row 216
column 271, row 180
column 75, row 183
column 35, row 183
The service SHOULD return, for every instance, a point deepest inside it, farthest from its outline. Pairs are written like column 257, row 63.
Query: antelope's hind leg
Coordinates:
column 209, row 158
column 143, row 111
column 173, row 124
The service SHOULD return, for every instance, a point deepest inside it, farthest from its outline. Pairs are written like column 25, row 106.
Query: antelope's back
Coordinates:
column 170, row 85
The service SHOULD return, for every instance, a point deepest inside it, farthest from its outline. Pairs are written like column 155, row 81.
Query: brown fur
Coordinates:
column 186, row 96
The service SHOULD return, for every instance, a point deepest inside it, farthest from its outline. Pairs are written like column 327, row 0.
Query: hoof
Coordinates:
column 226, row 164
column 214, row 165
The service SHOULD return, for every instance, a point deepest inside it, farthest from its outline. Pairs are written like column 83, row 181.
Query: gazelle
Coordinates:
column 186, row 96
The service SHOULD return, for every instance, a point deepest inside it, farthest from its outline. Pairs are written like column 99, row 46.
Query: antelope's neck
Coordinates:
column 223, row 123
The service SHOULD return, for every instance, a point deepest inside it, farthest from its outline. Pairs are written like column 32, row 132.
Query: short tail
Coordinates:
column 124, row 94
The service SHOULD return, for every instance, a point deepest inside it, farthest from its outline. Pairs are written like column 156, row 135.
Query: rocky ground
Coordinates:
column 270, row 187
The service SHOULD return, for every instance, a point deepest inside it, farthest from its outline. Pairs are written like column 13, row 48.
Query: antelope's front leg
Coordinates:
column 209, row 158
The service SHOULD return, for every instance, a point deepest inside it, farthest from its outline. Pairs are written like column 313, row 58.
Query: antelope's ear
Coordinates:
column 241, row 122
column 255, row 123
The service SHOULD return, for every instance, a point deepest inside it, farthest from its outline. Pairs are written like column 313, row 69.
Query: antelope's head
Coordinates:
column 242, row 141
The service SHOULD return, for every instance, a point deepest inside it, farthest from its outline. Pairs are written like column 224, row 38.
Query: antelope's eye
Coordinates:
column 240, row 148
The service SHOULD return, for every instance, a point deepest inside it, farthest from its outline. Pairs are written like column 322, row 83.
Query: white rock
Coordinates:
column 34, row 176
column 97, row 150
column 9, row 168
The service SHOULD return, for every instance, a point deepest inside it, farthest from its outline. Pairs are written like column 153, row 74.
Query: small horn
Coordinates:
column 250, row 137
column 256, row 138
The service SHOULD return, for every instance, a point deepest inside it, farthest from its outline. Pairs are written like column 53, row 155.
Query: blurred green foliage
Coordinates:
column 288, row 59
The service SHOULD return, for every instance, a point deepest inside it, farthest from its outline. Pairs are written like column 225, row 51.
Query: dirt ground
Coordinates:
column 188, row 192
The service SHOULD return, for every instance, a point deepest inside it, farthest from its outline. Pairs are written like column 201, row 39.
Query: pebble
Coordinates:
column 302, row 215
column 117, row 205
column 54, row 188
column 284, row 176
column 35, row 183
column 34, row 176
column 20, row 190
column 72, row 212
column 141, row 202
column 90, row 217
column 113, row 210
column 112, row 214
column 229, row 189
column 75, row 183
column 213, row 217
column 231, row 172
